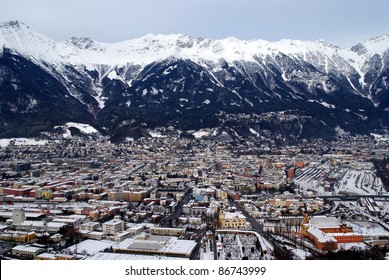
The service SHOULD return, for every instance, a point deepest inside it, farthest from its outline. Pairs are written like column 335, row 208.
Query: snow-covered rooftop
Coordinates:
column 157, row 243
column 90, row 247
column 234, row 215
column 325, row 222
column 114, row 222
column 320, row 235
column 27, row 248
column 130, row 257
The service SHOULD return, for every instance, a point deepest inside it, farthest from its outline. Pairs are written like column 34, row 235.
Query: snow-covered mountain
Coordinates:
column 192, row 83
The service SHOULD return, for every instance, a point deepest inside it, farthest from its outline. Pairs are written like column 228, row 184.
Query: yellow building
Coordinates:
column 47, row 194
column 221, row 194
column 126, row 196
column 235, row 220
column 18, row 236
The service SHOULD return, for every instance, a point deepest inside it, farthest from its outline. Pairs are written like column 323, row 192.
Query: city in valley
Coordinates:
column 174, row 198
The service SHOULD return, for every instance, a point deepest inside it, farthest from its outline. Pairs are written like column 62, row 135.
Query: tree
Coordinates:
column 44, row 239
column 70, row 234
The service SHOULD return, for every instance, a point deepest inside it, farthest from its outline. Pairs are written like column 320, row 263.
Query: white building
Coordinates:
column 18, row 216
column 113, row 226
column 90, row 226
column 26, row 251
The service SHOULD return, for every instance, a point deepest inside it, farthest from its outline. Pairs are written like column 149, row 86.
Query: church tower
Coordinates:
column 304, row 225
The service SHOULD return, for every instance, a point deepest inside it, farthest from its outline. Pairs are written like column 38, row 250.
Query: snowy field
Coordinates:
column 368, row 229
column 360, row 219
column 84, row 128
column 329, row 180
column 359, row 182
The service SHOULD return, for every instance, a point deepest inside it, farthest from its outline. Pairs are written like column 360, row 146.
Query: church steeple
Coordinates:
column 305, row 219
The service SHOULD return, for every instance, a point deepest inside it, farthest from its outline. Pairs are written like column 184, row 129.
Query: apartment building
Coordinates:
column 113, row 226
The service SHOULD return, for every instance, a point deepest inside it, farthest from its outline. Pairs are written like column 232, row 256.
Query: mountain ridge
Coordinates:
column 173, row 79
column 176, row 44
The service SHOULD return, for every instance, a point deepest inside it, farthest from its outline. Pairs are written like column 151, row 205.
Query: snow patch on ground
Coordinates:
column 155, row 134
column 327, row 105
column 254, row 132
column 113, row 75
column 379, row 137
column 22, row 142
column 200, row 134
column 84, row 128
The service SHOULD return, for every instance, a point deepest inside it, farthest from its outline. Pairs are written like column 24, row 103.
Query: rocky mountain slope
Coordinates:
column 289, row 89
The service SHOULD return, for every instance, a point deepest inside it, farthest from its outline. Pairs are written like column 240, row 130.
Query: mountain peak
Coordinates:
column 82, row 42
column 378, row 39
column 15, row 24
column 327, row 44
column 376, row 45
column 179, row 38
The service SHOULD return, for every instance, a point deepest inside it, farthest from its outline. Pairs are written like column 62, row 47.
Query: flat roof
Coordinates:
column 180, row 246
column 113, row 222
column 27, row 248
column 158, row 244
column 125, row 257
column 91, row 247
column 325, row 222
column 47, row 256
column 97, row 233
column 144, row 245
column 27, row 214
column 158, row 238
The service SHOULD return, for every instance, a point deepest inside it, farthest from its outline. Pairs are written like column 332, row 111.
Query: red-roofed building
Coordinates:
column 327, row 232
column 23, row 191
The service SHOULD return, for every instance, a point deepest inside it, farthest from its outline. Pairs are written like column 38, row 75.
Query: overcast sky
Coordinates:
column 342, row 22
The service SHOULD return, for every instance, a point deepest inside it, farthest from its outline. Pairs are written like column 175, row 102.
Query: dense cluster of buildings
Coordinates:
column 164, row 196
